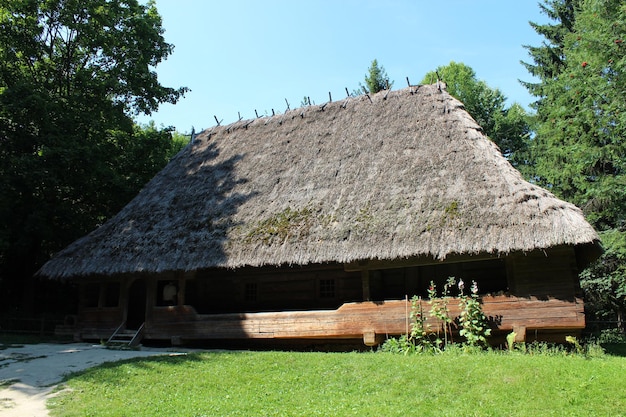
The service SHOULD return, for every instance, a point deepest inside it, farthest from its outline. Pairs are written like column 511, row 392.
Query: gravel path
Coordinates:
column 29, row 373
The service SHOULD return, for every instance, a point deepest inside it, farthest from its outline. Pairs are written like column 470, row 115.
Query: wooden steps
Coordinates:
column 125, row 338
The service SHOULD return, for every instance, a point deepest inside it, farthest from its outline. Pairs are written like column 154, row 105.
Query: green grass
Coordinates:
column 348, row 384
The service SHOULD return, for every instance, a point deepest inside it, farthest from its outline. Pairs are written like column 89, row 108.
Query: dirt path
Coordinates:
column 29, row 373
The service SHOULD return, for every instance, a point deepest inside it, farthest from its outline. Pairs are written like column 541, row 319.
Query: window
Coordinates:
column 327, row 288
column 167, row 293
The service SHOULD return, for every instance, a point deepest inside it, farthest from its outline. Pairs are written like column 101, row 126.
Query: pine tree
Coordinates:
column 376, row 79
column 549, row 59
column 579, row 150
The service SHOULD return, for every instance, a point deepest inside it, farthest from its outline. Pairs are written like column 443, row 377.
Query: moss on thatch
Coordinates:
column 279, row 227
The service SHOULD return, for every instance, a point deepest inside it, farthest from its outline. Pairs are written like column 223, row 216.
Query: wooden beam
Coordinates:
column 369, row 338
column 520, row 333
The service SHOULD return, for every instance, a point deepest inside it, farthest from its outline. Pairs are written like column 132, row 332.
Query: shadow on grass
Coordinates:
column 615, row 349
column 151, row 363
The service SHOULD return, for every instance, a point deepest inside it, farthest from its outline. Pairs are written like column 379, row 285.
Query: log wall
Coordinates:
column 551, row 273
column 532, row 293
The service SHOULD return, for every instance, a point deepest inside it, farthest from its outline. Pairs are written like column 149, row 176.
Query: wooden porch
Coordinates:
column 530, row 318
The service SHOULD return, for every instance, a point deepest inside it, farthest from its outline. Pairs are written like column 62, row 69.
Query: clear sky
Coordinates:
column 242, row 56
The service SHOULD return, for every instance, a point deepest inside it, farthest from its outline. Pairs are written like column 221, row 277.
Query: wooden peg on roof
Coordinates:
column 239, row 116
column 347, row 92
column 257, row 114
column 330, row 97
column 217, row 121
column 288, row 108
column 413, row 90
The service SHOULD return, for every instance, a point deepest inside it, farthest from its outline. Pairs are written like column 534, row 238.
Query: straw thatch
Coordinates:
column 395, row 175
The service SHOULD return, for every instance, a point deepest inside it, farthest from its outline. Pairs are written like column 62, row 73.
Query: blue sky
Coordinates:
column 242, row 56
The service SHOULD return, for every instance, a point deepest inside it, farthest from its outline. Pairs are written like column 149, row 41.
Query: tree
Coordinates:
column 376, row 79
column 579, row 149
column 72, row 75
column 507, row 127
column 549, row 59
column 138, row 156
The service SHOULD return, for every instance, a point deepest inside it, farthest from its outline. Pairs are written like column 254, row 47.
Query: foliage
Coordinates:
column 507, row 127
column 306, row 101
column 376, row 79
column 346, row 384
column 579, row 151
column 420, row 330
column 439, row 309
column 510, row 341
column 473, row 323
column 179, row 141
column 604, row 282
column 611, row 336
column 72, row 74
column 422, row 339
column 398, row 345
column 612, row 341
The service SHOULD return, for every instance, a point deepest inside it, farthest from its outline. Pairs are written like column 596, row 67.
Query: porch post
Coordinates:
column 181, row 288
column 151, row 296
column 365, row 281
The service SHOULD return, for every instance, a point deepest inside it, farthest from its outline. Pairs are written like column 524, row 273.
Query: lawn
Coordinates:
column 242, row 383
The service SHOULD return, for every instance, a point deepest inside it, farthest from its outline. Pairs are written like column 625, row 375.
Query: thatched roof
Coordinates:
column 395, row 175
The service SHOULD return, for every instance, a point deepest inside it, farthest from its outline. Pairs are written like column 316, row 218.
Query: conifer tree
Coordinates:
column 579, row 150
column 376, row 79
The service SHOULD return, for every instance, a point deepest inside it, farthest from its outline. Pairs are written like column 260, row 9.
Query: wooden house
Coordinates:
column 319, row 223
